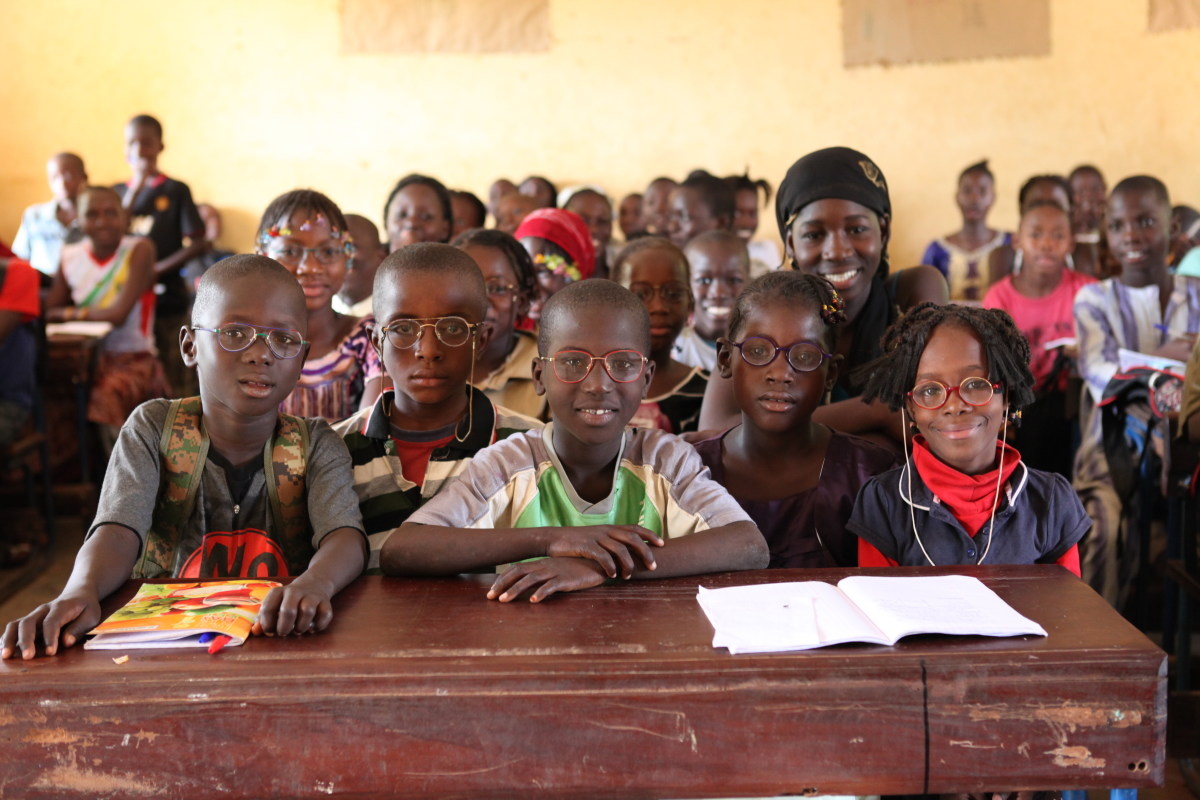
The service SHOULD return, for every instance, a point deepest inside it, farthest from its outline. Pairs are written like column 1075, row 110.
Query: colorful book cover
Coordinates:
column 179, row 614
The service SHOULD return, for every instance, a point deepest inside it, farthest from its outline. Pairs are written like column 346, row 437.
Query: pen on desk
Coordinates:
column 217, row 643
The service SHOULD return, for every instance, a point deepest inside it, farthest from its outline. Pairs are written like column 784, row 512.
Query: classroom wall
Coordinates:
column 256, row 99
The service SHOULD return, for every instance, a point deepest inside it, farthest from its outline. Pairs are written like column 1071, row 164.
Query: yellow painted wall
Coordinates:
column 256, row 99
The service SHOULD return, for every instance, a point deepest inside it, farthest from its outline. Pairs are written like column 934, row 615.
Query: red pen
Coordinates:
column 217, row 643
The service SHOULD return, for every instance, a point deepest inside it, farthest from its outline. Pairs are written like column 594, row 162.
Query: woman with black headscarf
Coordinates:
column 834, row 215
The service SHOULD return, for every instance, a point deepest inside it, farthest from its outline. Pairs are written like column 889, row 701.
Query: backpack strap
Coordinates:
column 285, row 463
column 183, row 448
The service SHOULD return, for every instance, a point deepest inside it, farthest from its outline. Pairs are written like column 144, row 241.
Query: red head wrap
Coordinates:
column 567, row 230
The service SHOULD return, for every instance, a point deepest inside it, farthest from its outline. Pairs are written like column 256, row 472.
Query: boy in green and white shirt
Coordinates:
column 591, row 496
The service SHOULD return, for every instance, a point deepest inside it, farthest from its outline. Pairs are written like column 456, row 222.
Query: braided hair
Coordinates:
column 980, row 167
column 744, row 183
column 890, row 377
column 287, row 204
column 796, row 288
column 715, row 194
column 518, row 256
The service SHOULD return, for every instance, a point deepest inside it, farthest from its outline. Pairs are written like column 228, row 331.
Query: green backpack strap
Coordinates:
column 285, row 463
column 183, row 448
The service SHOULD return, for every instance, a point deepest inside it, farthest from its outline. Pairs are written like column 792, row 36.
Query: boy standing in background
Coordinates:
column 161, row 209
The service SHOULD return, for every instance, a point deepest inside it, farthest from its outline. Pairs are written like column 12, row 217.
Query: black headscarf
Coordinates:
column 836, row 172
column 844, row 174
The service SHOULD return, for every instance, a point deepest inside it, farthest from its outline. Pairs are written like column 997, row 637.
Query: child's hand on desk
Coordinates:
column 546, row 576
column 607, row 545
column 64, row 619
column 303, row 606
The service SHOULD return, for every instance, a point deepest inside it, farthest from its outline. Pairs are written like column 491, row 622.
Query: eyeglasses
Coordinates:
column 759, row 351
column 932, row 395
column 293, row 256
column 671, row 293
column 450, row 331
column 573, row 366
column 500, row 290
column 238, row 336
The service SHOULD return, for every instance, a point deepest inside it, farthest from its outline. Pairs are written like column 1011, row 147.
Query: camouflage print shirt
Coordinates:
column 225, row 537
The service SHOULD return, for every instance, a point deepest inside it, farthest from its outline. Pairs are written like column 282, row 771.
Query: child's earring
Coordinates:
column 1071, row 266
column 1017, row 259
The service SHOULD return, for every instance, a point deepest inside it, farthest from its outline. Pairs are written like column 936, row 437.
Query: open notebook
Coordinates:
column 776, row 617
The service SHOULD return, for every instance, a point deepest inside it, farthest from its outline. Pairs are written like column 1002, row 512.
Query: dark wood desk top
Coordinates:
column 424, row 688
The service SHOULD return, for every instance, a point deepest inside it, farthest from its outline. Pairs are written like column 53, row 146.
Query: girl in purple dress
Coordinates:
column 797, row 479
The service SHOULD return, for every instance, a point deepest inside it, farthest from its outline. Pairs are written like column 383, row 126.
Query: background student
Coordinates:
column 161, row 209
column 306, row 232
column 720, row 267
column 109, row 277
column 419, row 209
column 1147, row 310
column 834, row 215
column 46, row 227
column 502, row 370
column 1041, row 299
column 354, row 298
column 962, row 256
column 560, row 245
column 656, row 271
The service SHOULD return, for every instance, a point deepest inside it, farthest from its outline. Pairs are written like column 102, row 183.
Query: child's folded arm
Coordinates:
column 304, row 605
column 734, row 546
column 545, row 577
column 102, row 565
column 417, row 549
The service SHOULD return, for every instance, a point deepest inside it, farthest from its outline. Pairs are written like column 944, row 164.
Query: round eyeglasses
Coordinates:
column 573, row 366
column 499, row 291
column 672, row 294
column 932, row 395
column 237, row 336
column 293, row 255
column 759, row 351
column 450, row 331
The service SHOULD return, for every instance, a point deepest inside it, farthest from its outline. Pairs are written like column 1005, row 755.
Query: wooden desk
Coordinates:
column 423, row 688
column 71, row 366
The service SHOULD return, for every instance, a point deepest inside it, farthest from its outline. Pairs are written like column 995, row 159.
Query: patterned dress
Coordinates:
column 331, row 386
column 129, row 372
column 965, row 270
